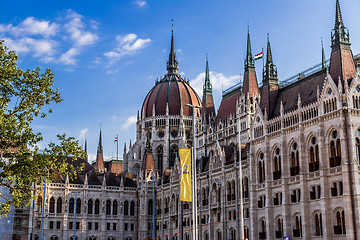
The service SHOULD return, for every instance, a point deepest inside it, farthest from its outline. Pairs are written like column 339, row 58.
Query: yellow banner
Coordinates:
column 185, row 183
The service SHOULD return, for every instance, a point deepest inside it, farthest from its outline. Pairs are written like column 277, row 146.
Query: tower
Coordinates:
column 99, row 165
column 207, row 99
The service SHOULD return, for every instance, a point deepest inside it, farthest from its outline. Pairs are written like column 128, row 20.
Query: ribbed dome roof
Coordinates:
column 172, row 90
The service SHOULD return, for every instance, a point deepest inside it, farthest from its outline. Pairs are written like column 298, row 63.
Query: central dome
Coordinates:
column 171, row 91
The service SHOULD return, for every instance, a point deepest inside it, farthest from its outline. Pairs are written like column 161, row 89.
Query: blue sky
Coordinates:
column 106, row 55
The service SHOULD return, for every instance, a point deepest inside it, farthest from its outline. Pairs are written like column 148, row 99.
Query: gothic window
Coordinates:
column 54, row 238
column 314, row 155
column 357, row 146
column 335, row 150
column 261, row 168
column 174, row 153
column 297, row 231
column 39, row 204
column 262, row 233
column 115, row 208
column 97, row 206
column 108, row 207
column 92, row 238
column 218, row 235
column 59, row 205
column 72, row 238
column 279, row 228
column 52, row 205
column 71, row 205
column 318, row 224
column 246, row 233
column 277, row 164
column 136, row 170
column 126, row 208
column 233, row 190
column 232, row 234
column 132, row 208
column 294, row 157
column 78, row 206
column 160, row 154
column 245, row 189
column 206, row 235
column 111, row 238
column 340, row 227
column 187, row 236
column 90, row 206
column 228, row 191
column 150, row 207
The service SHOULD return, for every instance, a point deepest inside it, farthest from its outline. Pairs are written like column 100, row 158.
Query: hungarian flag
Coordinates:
column 258, row 56
column 116, row 139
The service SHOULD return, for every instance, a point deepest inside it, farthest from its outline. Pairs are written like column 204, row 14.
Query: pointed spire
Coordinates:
column 172, row 63
column 207, row 88
column 85, row 149
column 340, row 34
column 208, row 101
column 100, row 148
column 249, row 61
column 99, row 165
column 270, row 71
column 323, row 55
column 124, row 148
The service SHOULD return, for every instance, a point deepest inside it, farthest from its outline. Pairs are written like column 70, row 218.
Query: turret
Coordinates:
column 99, row 165
column 207, row 101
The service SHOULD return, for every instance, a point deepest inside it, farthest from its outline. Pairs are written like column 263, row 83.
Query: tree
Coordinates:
column 25, row 96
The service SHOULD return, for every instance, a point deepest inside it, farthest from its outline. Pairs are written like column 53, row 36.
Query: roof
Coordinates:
column 228, row 105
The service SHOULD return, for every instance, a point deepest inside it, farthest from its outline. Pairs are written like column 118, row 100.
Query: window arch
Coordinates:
column 92, row 238
column 218, row 235
column 318, row 224
column 174, row 153
column 335, row 149
column 111, row 238
column 71, row 205
column 160, row 155
column 108, row 207
column 340, row 227
column 277, row 164
column 279, row 228
column 72, row 238
column 52, row 205
column 232, row 234
column 90, row 206
column 150, row 207
column 246, row 233
column 261, row 168
column 54, row 238
column 262, row 227
column 126, row 208
column 187, row 236
column 115, row 208
column 206, row 235
column 294, row 157
column 132, row 208
column 297, row 231
column 78, row 206
column 314, row 155
column 59, row 205
column 97, row 206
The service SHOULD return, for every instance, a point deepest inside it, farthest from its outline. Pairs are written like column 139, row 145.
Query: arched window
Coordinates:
column 132, row 208
column 71, row 205
column 261, row 168
column 294, row 156
column 160, row 155
column 54, row 238
column 97, row 206
column 150, row 207
column 187, row 236
column 357, row 146
column 245, row 189
column 340, row 227
column 297, row 231
column 78, row 206
column 318, row 224
column 246, row 233
column 232, row 234
column 108, row 207
column 36, row 237
column 72, row 238
column 206, row 235
column 314, row 155
column 174, row 153
column 218, row 235
column 279, row 228
column 233, row 190
column 39, row 204
column 115, row 207
column 59, row 205
column 52, row 205
column 111, row 238
column 92, row 238
column 335, row 149
column 262, row 233
column 228, row 191
column 90, row 206
column 277, row 164
column 126, row 208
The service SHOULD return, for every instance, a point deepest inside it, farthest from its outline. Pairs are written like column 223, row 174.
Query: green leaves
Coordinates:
column 24, row 96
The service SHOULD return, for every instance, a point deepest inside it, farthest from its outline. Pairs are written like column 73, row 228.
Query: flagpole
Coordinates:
column 117, row 147
column 263, row 57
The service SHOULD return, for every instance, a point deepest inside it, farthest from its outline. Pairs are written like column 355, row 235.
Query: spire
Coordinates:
column 85, row 149
column 270, row 71
column 323, row 55
column 99, row 165
column 340, row 34
column 207, row 88
column 172, row 64
column 249, row 61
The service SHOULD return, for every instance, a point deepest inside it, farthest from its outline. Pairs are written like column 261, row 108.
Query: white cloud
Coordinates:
column 31, row 26
column 75, row 27
column 68, row 57
column 129, row 122
column 129, row 44
column 140, row 3
column 83, row 133
column 38, row 47
column 218, row 80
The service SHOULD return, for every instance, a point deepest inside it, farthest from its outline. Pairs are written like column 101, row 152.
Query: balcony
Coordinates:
column 277, row 175
column 314, row 166
column 278, row 234
column 335, row 161
column 294, row 171
column 262, row 235
column 297, row 232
